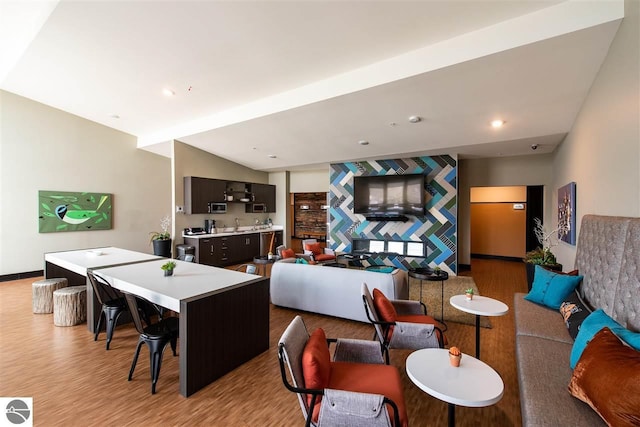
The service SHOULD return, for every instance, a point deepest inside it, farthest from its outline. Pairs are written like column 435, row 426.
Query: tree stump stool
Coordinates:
column 70, row 306
column 42, row 300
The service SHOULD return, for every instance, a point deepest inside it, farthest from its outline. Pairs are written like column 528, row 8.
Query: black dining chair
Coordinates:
column 156, row 336
column 113, row 305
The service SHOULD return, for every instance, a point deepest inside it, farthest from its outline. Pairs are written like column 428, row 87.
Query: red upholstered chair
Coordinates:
column 285, row 253
column 356, row 388
column 401, row 323
column 319, row 254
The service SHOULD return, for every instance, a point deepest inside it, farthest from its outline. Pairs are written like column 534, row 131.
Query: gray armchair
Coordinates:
column 411, row 329
column 347, row 399
column 320, row 255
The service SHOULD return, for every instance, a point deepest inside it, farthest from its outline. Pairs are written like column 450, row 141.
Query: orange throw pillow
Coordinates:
column 385, row 309
column 316, row 363
column 607, row 378
column 315, row 248
column 288, row 253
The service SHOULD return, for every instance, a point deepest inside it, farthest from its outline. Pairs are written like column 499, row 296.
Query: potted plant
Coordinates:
column 454, row 356
column 168, row 267
column 437, row 270
column 542, row 255
column 161, row 240
column 469, row 294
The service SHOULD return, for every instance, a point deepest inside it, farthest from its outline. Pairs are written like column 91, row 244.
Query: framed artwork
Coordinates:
column 567, row 213
column 64, row 211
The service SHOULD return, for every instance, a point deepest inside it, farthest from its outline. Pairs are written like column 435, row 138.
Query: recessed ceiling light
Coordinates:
column 415, row 119
column 272, row 156
column 497, row 123
column 168, row 92
column 363, row 142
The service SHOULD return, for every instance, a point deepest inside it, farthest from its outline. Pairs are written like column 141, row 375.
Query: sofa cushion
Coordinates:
column 288, row 253
column 607, row 378
column 316, row 362
column 591, row 325
column 543, row 379
column 550, row 288
column 574, row 311
column 376, row 379
column 539, row 321
column 314, row 248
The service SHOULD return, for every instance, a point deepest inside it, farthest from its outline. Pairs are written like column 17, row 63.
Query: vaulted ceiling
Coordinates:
column 284, row 85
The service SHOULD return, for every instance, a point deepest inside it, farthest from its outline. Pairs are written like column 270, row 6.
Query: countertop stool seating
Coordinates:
column 401, row 324
column 42, row 300
column 70, row 306
column 156, row 336
column 356, row 389
column 113, row 305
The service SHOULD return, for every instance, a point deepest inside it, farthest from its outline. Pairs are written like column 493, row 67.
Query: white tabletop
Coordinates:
column 483, row 306
column 79, row 261
column 473, row 384
column 189, row 280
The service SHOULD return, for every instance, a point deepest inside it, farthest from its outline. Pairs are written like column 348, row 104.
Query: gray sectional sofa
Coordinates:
column 608, row 256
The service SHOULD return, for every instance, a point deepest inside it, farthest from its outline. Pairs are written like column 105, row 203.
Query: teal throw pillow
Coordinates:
column 381, row 269
column 301, row 261
column 592, row 325
column 550, row 289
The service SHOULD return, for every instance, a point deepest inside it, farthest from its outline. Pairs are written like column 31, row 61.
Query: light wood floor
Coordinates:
column 75, row 381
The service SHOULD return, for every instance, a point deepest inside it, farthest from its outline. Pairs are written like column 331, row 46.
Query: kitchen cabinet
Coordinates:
column 205, row 250
column 265, row 194
column 199, row 192
column 226, row 250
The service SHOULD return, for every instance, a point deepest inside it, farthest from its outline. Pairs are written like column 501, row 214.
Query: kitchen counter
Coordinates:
column 241, row 231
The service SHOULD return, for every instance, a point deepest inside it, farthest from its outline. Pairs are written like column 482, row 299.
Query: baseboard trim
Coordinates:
column 18, row 276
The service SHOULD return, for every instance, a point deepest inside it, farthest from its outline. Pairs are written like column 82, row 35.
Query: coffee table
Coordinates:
column 480, row 306
column 473, row 384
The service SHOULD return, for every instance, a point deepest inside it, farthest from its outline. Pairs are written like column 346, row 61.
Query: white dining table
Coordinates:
column 73, row 266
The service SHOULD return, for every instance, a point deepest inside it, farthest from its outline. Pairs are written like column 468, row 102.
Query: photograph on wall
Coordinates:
column 67, row 211
column 567, row 213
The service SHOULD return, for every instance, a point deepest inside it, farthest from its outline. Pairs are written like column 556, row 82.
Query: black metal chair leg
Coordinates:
column 135, row 359
column 98, row 326
column 156, row 351
column 112, row 321
column 174, row 344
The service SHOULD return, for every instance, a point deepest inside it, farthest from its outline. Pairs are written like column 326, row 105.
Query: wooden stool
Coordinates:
column 70, row 306
column 42, row 299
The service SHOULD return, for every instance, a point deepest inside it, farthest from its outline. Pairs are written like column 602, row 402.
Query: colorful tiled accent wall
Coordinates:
column 438, row 228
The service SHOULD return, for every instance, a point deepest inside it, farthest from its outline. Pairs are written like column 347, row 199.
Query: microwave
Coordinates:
column 259, row 208
column 217, row 208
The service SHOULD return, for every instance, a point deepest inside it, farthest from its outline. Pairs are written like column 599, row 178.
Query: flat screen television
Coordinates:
column 389, row 195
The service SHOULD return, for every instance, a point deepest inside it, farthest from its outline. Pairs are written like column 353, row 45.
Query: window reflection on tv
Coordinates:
column 389, row 195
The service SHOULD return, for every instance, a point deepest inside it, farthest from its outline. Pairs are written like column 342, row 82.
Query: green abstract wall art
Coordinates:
column 65, row 211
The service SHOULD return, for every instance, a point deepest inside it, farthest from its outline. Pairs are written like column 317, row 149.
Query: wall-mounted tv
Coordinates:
column 389, row 195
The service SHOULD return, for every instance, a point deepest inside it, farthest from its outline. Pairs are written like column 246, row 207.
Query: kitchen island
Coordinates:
column 224, row 314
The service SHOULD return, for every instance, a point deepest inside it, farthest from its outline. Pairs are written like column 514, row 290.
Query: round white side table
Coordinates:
column 480, row 306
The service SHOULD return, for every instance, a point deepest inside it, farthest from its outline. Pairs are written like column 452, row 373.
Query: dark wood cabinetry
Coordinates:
column 225, row 250
column 263, row 194
column 199, row 192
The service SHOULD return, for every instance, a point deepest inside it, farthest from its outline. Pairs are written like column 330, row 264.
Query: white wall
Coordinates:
column 42, row 148
column 311, row 181
column 602, row 152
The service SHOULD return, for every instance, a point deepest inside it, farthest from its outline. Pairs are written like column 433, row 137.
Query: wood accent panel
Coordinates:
column 310, row 222
column 237, row 325
column 498, row 229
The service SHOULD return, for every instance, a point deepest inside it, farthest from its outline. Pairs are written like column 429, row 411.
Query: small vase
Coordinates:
column 168, row 272
column 454, row 360
column 469, row 297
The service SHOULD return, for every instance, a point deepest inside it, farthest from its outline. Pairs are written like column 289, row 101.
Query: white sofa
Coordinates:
column 330, row 290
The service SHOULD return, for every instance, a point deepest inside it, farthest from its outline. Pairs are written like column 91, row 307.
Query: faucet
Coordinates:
column 237, row 224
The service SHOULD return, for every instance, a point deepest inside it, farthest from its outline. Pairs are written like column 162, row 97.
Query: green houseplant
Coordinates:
column 469, row 293
column 161, row 240
column 542, row 255
column 168, row 267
